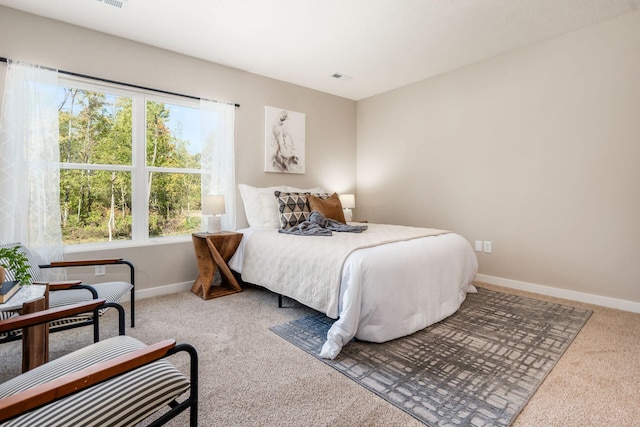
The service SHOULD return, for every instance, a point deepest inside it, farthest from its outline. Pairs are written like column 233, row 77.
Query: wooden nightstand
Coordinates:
column 212, row 253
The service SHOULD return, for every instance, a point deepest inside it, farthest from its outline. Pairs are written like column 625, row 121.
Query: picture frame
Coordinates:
column 284, row 145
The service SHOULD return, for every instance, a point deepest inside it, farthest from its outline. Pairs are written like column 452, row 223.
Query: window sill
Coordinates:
column 124, row 244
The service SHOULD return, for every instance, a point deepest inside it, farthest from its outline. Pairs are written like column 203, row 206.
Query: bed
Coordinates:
column 383, row 283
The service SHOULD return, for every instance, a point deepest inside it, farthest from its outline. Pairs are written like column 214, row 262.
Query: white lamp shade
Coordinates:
column 348, row 201
column 213, row 205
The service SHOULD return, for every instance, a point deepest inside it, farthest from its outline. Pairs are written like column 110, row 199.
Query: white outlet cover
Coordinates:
column 487, row 247
column 478, row 245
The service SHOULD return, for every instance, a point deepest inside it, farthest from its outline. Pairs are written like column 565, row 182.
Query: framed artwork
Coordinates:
column 284, row 133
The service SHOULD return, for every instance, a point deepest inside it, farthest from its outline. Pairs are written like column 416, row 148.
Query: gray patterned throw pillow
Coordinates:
column 294, row 207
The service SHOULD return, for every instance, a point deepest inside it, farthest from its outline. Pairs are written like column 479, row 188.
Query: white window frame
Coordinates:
column 138, row 169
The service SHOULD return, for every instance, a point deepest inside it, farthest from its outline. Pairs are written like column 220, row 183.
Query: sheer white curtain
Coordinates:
column 29, row 161
column 218, row 158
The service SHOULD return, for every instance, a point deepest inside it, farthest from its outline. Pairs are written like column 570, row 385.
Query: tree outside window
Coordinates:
column 130, row 165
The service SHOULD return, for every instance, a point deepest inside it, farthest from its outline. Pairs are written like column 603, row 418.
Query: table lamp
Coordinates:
column 348, row 202
column 213, row 207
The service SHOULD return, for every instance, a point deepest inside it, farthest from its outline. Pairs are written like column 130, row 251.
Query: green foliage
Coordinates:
column 14, row 260
column 96, row 129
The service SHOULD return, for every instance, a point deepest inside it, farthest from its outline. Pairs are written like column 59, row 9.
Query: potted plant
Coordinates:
column 13, row 259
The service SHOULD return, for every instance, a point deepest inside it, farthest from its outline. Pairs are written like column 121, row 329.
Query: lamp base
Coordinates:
column 348, row 215
column 213, row 226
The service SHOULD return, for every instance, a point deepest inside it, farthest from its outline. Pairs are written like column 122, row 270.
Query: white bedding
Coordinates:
column 308, row 268
column 391, row 290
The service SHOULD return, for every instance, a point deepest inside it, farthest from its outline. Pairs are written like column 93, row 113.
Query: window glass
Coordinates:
column 115, row 186
column 95, row 128
column 95, row 205
column 174, row 204
column 173, row 135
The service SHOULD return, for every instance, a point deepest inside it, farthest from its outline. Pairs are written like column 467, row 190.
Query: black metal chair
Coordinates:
column 74, row 291
column 115, row 382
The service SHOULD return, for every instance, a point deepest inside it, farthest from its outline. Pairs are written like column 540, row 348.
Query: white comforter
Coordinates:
column 394, row 289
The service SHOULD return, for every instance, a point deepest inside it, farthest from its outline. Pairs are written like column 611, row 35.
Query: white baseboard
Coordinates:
column 619, row 304
column 160, row 290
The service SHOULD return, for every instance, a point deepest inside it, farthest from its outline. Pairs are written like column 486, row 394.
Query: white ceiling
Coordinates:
column 382, row 44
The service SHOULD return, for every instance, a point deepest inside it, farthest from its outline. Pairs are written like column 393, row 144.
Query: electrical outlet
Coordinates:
column 478, row 245
column 486, row 247
column 101, row 270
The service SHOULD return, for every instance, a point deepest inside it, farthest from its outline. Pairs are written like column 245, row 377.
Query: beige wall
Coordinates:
column 330, row 120
column 537, row 150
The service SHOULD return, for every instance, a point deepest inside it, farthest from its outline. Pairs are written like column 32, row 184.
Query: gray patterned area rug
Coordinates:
column 478, row 367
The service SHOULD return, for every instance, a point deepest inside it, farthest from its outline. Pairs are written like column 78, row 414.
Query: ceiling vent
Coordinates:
column 116, row 3
column 339, row 76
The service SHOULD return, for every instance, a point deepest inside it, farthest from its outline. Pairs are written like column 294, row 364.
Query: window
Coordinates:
column 130, row 164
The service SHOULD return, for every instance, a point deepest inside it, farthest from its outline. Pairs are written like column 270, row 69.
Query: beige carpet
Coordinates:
column 251, row 377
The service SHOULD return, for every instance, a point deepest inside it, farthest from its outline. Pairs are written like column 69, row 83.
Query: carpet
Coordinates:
column 478, row 367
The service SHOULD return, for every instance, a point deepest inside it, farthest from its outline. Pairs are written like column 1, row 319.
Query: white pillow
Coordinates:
column 309, row 190
column 261, row 205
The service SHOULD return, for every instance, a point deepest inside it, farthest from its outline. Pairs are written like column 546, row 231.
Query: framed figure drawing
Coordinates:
column 284, row 140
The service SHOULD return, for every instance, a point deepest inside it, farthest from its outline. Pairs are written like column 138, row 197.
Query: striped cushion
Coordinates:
column 4, row 315
column 111, row 291
column 53, row 325
column 124, row 400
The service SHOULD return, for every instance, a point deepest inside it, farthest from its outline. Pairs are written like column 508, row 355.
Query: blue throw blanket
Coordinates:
column 318, row 225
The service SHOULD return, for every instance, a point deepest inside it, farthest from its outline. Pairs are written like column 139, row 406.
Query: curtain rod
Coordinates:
column 100, row 79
